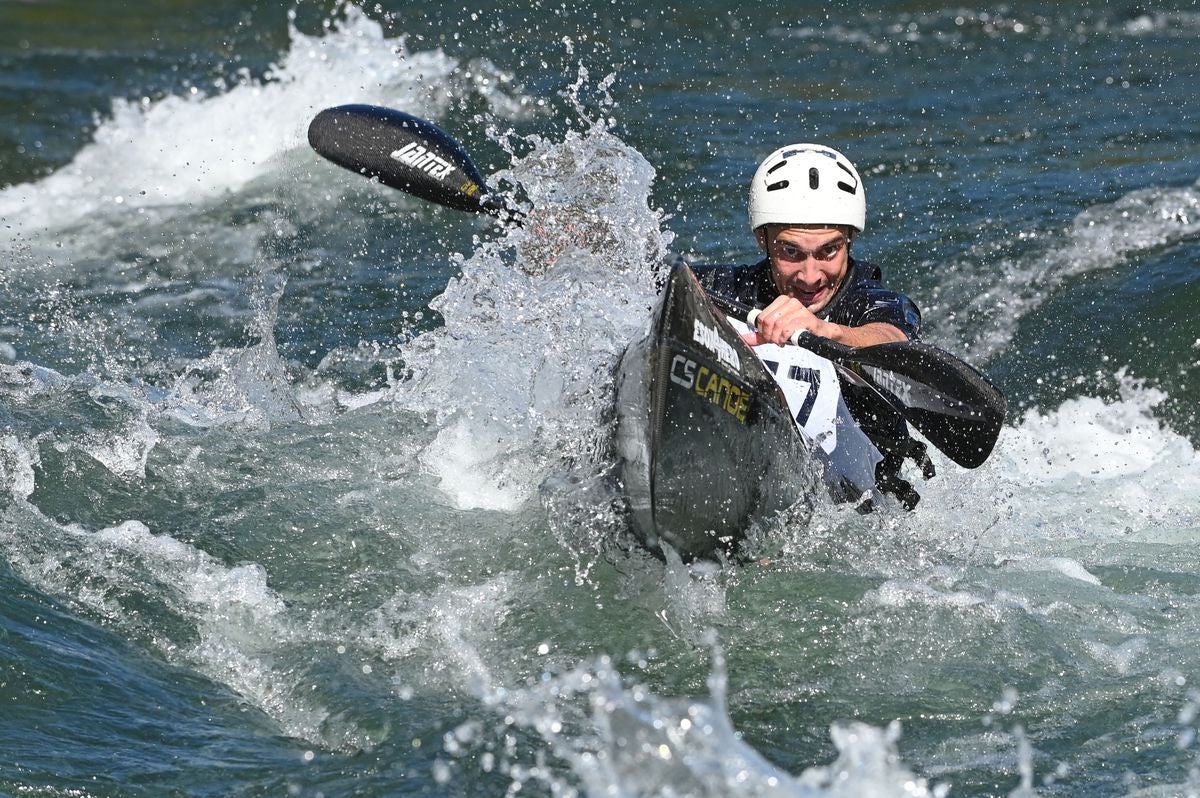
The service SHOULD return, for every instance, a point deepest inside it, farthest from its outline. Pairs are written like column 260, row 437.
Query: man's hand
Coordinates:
column 551, row 231
column 782, row 319
column 786, row 316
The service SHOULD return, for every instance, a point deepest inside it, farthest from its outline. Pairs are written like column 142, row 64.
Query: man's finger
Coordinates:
column 752, row 338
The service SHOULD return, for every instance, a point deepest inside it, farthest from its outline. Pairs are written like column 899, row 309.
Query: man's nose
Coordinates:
column 808, row 270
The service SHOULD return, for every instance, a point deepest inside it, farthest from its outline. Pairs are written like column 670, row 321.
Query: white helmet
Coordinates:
column 807, row 184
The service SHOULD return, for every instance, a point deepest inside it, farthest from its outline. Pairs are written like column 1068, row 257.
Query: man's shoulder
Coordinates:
column 865, row 273
column 745, row 282
column 867, row 300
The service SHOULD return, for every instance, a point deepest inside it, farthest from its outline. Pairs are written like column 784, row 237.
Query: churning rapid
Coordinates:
column 306, row 485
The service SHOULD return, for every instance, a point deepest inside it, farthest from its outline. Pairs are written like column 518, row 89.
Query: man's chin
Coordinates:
column 812, row 301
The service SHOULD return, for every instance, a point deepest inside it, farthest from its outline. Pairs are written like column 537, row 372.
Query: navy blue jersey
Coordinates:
column 860, row 299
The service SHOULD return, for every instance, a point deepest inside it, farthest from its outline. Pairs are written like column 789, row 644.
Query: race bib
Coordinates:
column 810, row 385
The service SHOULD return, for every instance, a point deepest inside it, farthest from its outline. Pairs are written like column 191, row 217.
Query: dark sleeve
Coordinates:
column 864, row 300
column 874, row 305
column 750, row 285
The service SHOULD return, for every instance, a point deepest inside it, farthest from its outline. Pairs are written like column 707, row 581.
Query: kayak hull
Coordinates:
column 705, row 442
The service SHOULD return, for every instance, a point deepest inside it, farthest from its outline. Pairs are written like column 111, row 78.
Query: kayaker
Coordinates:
column 807, row 206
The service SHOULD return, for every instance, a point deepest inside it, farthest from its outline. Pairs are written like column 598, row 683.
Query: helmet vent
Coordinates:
column 814, row 178
column 778, row 184
column 849, row 188
column 777, row 166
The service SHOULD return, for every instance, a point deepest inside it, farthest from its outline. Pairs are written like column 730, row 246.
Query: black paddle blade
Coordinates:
column 954, row 406
column 949, row 402
column 404, row 152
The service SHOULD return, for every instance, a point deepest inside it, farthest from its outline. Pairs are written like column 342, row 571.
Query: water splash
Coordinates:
column 248, row 387
column 519, row 379
column 620, row 738
column 1131, row 475
column 982, row 323
column 140, row 232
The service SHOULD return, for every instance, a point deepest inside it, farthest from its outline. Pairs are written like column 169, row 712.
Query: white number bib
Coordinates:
column 810, row 385
column 814, row 396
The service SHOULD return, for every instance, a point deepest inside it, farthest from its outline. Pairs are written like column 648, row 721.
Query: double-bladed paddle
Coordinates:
column 951, row 403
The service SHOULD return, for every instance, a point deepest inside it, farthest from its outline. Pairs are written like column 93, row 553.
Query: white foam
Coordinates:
column 1090, row 469
column 241, row 622
column 902, row 593
column 1121, row 658
column 1072, row 569
column 469, row 460
column 17, row 463
column 982, row 323
column 447, row 630
column 1091, row 439
column 519, row 378
column 196, row 148
column 23, row 381
column 246, row 388
column 124, row 451
column 695, row 597
column 639, row 743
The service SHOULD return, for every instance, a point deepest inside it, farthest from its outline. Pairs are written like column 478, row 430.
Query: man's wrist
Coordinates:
column 826, row 329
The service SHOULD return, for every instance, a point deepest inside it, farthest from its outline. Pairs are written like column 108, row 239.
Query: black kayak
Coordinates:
column 705, row 441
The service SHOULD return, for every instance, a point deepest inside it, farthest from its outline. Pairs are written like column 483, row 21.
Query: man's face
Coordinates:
column 807, row 263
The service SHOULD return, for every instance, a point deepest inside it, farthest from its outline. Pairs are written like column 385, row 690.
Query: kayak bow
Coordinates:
column 705, row 441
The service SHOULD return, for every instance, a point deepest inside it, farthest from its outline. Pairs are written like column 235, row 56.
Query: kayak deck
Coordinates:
column 705, row 442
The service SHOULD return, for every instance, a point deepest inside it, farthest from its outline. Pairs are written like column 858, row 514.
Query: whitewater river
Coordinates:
column 305, row 484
